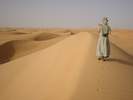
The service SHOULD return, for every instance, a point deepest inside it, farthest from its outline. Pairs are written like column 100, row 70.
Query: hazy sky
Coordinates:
column 65, row 13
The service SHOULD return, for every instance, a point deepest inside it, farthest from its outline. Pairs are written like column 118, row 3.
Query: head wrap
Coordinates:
column 105, row 18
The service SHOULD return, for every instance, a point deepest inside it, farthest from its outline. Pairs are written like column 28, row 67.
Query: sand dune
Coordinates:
column 69, row 70
column 45, row 36
column 17, row 45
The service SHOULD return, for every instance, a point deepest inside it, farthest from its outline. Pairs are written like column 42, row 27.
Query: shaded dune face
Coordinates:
column 67, row 31
column 7, row 51
column 126, row 58
column 45, row 36
column 58, row 30
column 7, row 30
column 11, row 48
column 19, row 33
column 14, row 48
column 72, row 33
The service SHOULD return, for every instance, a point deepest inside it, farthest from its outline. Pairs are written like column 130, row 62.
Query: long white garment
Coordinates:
column 103, row 45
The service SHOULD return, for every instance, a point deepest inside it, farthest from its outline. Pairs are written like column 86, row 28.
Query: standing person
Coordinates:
column 103, row 45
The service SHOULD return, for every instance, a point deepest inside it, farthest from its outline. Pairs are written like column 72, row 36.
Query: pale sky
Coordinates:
column 65, row 13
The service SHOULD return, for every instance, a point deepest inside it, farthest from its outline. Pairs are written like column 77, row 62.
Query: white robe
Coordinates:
column 103, row 45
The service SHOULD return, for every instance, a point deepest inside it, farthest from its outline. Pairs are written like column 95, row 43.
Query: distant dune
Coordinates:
column 67, row 69
column 18, row 43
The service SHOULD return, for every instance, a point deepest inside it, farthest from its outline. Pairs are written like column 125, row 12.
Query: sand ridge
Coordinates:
column 69, row 70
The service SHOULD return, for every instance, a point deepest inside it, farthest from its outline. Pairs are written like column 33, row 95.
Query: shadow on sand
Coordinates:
column 7, row 51
column 121, row 61
column 128, row 56
column 123, row 51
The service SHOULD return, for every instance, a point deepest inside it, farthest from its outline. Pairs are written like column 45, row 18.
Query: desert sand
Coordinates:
column 60, row 64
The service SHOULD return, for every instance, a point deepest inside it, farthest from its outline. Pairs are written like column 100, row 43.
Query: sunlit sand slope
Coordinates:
column 69, row 70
